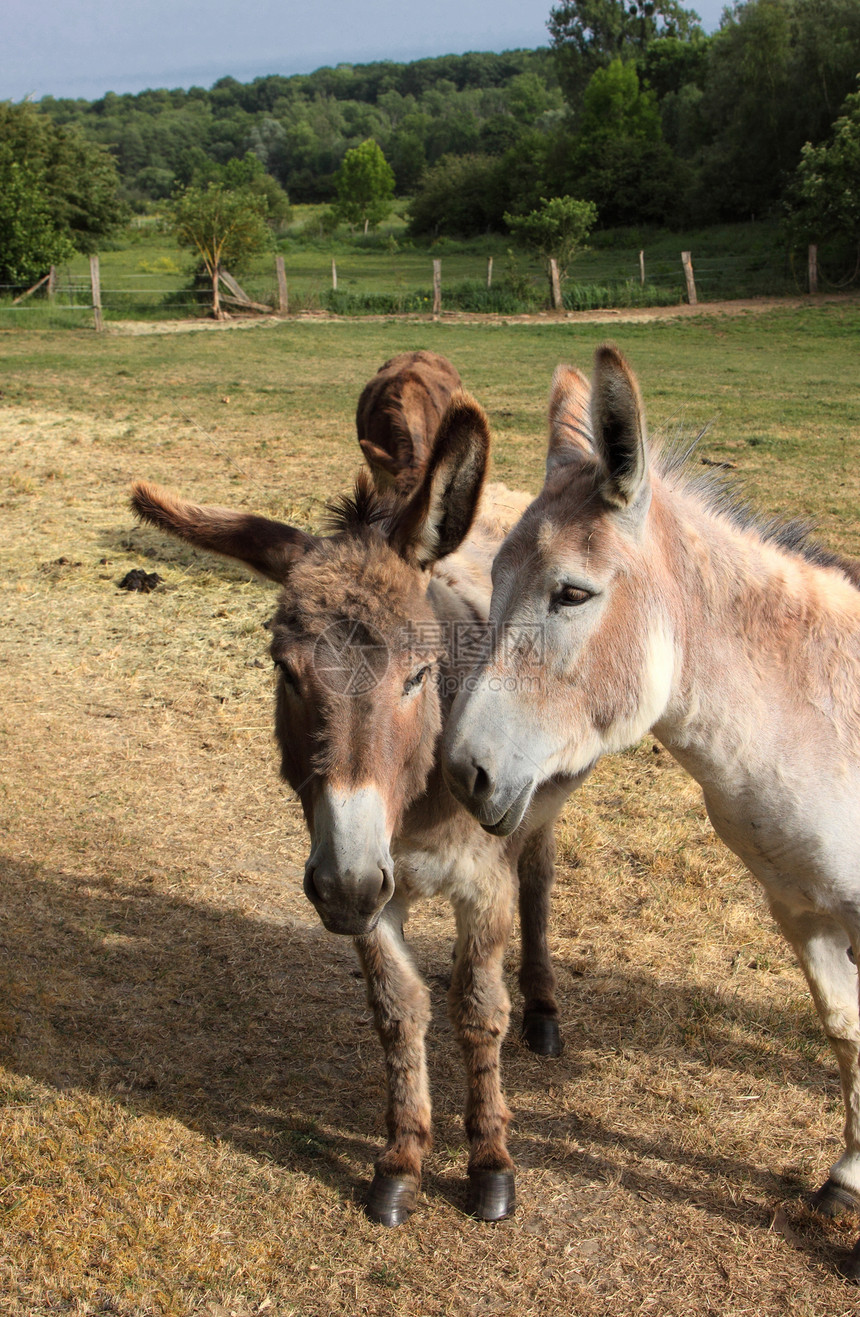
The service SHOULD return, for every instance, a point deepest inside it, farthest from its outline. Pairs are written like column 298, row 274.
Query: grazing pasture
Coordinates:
column 188, row 1069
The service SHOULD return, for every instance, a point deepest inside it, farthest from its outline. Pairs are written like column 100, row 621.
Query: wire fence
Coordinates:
column 395, row 283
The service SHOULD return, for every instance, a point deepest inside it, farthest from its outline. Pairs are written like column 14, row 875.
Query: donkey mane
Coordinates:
column 356, row 513
column 722, row 495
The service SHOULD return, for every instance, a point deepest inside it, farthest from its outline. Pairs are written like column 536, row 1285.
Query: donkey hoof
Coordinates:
column 541, row 1033
column 832, row 1200
column 391, row 1199
column 492, row 1195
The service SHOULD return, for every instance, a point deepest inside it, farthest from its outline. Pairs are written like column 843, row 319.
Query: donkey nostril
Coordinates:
column 310, row 887
column 482, row 784
column 386, row 891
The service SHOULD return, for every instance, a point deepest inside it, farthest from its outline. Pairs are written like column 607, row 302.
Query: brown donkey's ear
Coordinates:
column 438, row 515
column 378, row 459
column 569, row 419
column 618, row 422
column 267, row 547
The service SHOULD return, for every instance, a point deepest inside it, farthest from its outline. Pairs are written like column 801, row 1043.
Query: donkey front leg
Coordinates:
column 536, row 867
column 401, row 1010
column 480, row 1011
column 826, row 956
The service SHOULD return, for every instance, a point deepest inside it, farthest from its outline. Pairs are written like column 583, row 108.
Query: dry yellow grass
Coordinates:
column 191, row 1093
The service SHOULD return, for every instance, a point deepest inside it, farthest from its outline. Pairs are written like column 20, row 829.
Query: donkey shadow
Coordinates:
column 244, row 1029
column 256, row 1030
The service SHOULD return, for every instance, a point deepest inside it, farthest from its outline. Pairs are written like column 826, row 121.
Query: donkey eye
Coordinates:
column 413, row 682
column 569, row 596
column 288, row 675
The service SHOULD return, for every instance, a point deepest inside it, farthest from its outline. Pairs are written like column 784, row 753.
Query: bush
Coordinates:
column 473, row 295
column 460, row 196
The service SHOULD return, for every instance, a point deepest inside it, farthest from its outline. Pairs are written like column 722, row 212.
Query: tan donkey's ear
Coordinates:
column 569, row 419
column 439, row 514
column 618, row 422
column 267, row 547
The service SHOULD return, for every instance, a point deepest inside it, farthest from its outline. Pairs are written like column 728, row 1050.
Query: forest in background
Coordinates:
column 633, row 129
column 631, row 106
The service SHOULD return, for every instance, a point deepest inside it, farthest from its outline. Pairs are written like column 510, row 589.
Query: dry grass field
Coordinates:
column 191, row 1092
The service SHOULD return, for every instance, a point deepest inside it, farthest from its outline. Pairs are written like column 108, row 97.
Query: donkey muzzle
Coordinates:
column 498, row 809
column 472, row 778
column 348, row 901
column 486, row 759
column 349, row 876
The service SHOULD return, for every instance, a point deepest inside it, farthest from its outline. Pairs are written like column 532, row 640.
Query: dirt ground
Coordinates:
column 629, row 315
column 191, row 1093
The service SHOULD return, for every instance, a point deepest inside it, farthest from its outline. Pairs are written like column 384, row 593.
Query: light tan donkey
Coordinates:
column 664, row 606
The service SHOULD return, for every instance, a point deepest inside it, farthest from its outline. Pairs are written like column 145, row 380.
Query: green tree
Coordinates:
column 587, row 34
column 246, row 174
column 223, row 226
column 408, row 159
column 777, row 73
column 58, row 192
column 619, row 159
column 84, row 184
column 460, row 195
column 616, row 105
column 365, row 185
column 30, row 240
column 558, row 229
column 824, row 199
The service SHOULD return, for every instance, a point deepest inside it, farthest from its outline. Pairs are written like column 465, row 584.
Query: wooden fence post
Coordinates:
column 437, row 287
column 333, row 276
column 283, row 295
column 642, row 268
column 29, row 293
column 237, row 295
column 556, row 284
column 489, row 271
column 97, row 292
column 52, row 282
column 687, row 261
column 813, row 267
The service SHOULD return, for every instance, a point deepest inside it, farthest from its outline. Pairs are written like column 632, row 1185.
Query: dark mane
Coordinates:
column 723, row 495
column 360, row 511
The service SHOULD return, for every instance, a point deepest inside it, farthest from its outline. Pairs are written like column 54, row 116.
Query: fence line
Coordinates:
column 607, row 283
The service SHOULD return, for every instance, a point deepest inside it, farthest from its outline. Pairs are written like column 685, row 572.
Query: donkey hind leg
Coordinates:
column 401, row 1010
column 825, row 953
column 536, row 867
column 480, row 1011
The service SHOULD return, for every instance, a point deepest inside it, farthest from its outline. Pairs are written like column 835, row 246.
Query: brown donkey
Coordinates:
column 665, row 606
column 365, row 640
column 398, row 414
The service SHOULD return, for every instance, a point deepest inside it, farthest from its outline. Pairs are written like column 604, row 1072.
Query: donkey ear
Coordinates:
column 267, row 547
column 618, row 423
column 439, row 513
column 569, row 419
column 379, row 461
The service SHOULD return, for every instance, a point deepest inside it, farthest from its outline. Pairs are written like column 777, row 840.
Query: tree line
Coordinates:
column 301, row 127
column 632, row 108
column 663, row 124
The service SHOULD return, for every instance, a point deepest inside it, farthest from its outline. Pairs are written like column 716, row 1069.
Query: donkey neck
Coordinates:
column 766, row 646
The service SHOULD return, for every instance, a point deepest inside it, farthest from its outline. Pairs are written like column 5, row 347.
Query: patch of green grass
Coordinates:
column 760, row 383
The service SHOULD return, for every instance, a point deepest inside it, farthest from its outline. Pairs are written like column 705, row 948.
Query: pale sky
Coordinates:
column 87, row 47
